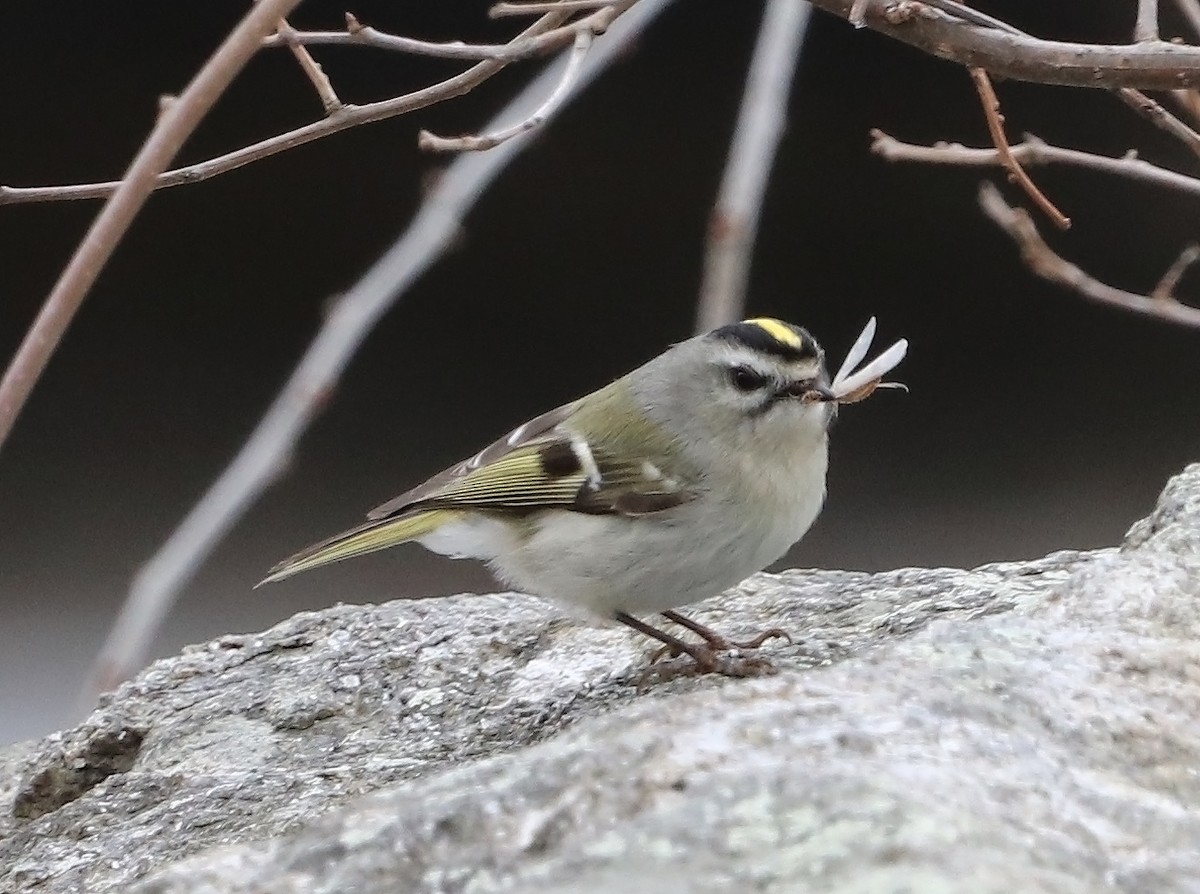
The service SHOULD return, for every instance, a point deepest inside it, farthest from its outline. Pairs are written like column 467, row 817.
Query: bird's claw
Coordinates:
column 773, row 633
column 731, row 665
column 706, row 655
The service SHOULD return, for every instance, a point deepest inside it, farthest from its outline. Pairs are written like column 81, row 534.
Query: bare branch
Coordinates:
column 432, row 230
column 176, row 122
column 1145, row 27
column 733, row 224
column 1032, row 152
column 1138, row 101
column 1042, row 260
column 434, row 143
column 310, row 67
column 1020, row 57
column 524, row 46
column 943, row 28
column 995, row 122
column 346, row 117
column 1153, row 112
column 501, row 10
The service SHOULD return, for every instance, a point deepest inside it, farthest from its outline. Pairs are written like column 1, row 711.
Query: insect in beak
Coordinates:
column 818, row 394
column 850, row 385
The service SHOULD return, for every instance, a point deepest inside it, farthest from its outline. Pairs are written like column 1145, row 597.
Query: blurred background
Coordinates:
column 1036, row 421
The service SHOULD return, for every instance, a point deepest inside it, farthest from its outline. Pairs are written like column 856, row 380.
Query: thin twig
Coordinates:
column 1021, row 57
column 1033, row 152
column 1043, row 261
column 311, row 68
column 995, row 122
column 1165, row 290
column 939, row 27
column 346, row 117
column 524, row 46
column 1154, row 112
column 1149, row 109
column 1145, row 26
column 175, row 123
column 475, row 143
column 1191, row 12
column 256, row 465
column 501, row 10
column 733, row 223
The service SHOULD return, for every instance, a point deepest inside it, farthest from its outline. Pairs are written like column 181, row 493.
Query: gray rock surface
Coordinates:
column 1019, row 727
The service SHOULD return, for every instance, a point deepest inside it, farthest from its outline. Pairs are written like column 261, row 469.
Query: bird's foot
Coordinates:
column 716, row 654
column 719, row 643
column 704, row 660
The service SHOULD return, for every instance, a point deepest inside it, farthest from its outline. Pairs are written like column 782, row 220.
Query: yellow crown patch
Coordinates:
column 778, row 330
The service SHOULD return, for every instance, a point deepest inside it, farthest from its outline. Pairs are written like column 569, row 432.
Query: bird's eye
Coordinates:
column 746, row 379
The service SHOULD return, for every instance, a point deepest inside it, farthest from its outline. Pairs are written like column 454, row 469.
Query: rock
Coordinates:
column 1029, row 726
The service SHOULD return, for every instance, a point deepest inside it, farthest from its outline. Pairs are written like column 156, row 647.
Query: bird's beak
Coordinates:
column 818, row 394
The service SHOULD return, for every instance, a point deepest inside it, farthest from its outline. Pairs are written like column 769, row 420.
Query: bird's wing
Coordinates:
column 541, row 465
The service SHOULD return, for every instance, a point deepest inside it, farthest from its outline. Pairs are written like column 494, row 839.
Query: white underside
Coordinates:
column 472, row 537
column 641, row 565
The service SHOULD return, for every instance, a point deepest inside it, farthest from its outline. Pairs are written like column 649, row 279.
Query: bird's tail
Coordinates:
column 367, row 538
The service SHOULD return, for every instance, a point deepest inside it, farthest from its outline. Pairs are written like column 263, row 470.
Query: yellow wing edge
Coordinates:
column 359, row 541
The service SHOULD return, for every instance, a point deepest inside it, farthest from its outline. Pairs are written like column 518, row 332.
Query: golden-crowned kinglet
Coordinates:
column 668, row 486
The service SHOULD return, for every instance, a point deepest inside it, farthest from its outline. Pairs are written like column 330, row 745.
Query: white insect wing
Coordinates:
column 847, row 381
column 857, row 351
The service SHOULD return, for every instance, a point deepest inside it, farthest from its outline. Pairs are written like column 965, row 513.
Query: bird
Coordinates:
column 667, row 486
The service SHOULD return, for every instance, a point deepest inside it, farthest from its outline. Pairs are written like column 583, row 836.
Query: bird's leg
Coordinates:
column 702, row 654
column 719, row 643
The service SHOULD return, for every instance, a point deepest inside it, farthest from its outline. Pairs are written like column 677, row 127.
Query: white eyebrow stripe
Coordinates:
column 777, row 371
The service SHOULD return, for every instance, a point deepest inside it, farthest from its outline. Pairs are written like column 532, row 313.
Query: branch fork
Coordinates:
column 1049, row 265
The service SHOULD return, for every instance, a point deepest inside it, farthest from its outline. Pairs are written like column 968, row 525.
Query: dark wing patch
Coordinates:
column 627, row 488
column 559, row 460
